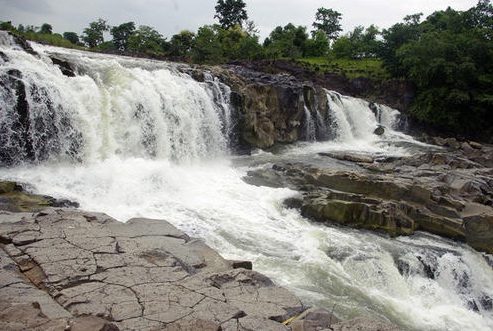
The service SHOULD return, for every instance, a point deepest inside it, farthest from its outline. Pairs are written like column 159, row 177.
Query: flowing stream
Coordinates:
column 134, row 138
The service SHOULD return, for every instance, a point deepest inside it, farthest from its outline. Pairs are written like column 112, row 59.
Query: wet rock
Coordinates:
column 363, row 323
column 380, row 130
column 270, row 107
column 313, row 319
column 264, row 177
column 14, row 198
column 479, row 231
column 444, row 193
column 352, row 157
column 64, row 66
column 317, row 319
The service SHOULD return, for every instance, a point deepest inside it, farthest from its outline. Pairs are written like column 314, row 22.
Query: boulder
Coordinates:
column 380, row 130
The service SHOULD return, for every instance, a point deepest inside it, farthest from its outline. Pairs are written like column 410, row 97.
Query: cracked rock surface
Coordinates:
column 65, row 269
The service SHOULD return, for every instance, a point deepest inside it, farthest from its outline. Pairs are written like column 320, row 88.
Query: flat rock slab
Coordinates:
column 65, row 269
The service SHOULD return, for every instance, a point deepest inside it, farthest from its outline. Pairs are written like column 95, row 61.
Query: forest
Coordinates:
column 448, row 56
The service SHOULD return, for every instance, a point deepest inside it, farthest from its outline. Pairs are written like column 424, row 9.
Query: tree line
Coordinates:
column 234, row 38
column 448, row 55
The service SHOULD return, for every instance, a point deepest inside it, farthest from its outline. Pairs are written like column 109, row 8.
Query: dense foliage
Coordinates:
column 448, row 55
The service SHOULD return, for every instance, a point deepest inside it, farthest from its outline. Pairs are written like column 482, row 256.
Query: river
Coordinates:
column 139, row 138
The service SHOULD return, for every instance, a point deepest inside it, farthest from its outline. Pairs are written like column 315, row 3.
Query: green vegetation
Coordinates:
column 351, row 68
column 448, row 56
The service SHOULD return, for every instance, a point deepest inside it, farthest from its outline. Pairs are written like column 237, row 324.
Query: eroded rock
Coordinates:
column 85, row 270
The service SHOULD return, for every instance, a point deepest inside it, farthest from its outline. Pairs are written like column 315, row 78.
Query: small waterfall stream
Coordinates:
column 132, row 137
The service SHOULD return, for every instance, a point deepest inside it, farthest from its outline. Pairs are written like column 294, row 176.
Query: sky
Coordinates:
column 169, row 17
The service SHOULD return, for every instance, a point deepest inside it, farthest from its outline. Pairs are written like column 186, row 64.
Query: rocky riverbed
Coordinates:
column 67, row 269
column 448, row 192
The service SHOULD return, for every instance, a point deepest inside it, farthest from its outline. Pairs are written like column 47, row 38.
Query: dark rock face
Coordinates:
column 15, row 142
column 270, row 109
column 64, row 66
column 397, row 94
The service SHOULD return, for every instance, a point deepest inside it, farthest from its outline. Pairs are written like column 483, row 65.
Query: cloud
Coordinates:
column 33, row 6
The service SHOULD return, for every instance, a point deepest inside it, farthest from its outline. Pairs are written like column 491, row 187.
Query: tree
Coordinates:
column 72, row 37
column 451, row 64
column 395, row 37
column 181, row 44
column 289, row 41
column 146, row 40
column 318, row 45
column 251, row 28
column 46, row 29
column 328, row 21
column 207, row 46
column 231, row 13
column 7, row 26
column 359, row 43
column 480, row 18
column 237, row 44
column 121, row 35
column 94, row 34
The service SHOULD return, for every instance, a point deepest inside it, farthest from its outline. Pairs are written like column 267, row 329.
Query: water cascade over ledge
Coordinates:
column 132, row 137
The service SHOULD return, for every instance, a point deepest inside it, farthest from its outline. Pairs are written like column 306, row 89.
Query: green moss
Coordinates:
column 8, row 187
column 17, row 199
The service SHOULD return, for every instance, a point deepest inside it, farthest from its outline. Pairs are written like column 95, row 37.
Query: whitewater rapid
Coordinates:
column 171, row 161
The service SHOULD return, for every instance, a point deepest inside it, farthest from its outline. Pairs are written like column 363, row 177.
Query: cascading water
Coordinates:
column 115, row 108
column 352, row 120
column 139, row 138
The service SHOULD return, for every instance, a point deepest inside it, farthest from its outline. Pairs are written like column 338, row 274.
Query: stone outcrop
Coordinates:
column 72, row 268
column 397, row 94
column 269, row 108
column 448, row 193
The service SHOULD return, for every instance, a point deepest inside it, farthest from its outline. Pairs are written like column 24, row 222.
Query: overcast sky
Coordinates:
column 169, row 17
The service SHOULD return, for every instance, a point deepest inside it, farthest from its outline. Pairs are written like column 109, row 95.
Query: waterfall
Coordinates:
column 310, row 126
column 354, row 120
column 114, row 106
column 6, row 39
column 349, row 121
column 139, row 138
column 315, row 126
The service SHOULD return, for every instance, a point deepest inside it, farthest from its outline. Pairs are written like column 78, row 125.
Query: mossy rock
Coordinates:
column 13, row 198
column 8, row 187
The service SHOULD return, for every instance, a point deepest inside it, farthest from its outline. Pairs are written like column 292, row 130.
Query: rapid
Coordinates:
column 141, row 138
